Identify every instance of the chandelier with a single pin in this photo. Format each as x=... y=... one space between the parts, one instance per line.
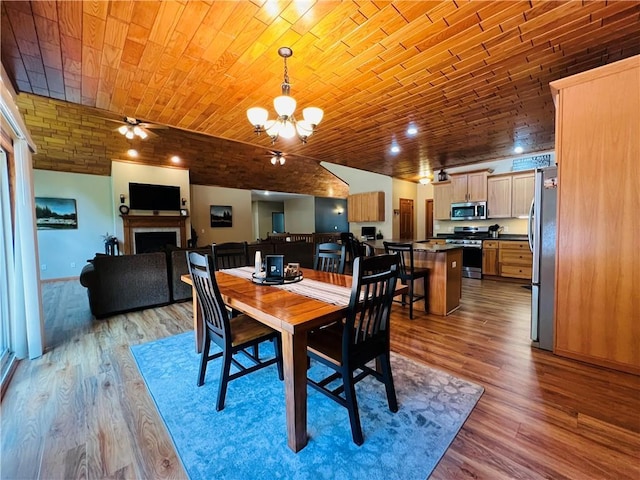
x=285 y=125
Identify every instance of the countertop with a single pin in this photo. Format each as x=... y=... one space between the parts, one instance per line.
x=378 y=244
x=505 y=236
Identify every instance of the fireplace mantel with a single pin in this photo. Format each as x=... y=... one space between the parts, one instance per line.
x=131 y=222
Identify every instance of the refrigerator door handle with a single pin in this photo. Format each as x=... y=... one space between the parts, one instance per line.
x=530 y=226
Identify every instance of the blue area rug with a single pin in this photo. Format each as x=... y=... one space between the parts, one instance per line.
x=247 y=440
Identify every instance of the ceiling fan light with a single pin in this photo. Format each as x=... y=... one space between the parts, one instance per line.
x=282 y=160
x=274 y=160
x=123 y=129
x=142 y=134
x=284 y=105
x=129 y=134
x=287 y=130
x=313 y=115
x=257 y=116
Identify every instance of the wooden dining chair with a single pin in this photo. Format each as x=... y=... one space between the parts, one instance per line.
x=329 y=257
x=230 y=255
x=234 y=335
x=346 y=347
x=409 y=273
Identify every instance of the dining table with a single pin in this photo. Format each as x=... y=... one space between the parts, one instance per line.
x=291 y=313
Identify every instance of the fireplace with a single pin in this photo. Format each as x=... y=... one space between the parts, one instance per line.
x=162 y=226
x=148 y=242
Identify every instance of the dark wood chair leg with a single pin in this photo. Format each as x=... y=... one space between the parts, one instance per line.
x=224 y=379
x=204 y=359
x=411 y=299
x=387 y=377
x=352 y=407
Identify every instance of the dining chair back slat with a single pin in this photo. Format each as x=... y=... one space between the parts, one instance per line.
x=330 y=257
x=230 y=255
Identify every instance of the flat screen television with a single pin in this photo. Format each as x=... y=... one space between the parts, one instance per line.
x=144 y=196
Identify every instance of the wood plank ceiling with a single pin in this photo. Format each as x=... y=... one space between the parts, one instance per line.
x=472 y=76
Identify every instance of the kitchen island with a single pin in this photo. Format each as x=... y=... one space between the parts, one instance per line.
x=444 y=262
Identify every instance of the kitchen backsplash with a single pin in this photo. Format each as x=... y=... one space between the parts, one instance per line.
x=512 y=226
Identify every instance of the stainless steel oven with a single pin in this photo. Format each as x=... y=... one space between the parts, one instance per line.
x=470 y=238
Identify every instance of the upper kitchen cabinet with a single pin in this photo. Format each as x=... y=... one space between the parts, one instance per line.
x=509 y=195
x=442 y=194
x=469 y=187
x=499 y=189
x=366 y=207
x=597 y=256
x=522 y=193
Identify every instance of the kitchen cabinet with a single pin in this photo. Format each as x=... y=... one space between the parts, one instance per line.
x=515 y=260
x=522 y=193
x=490 y=257
x=499 y=193
x=597 y=256
x=442 y=192
x=509 y=195
x=366 y=207
x=469 y=187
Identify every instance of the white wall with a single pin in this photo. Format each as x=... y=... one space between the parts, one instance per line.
x=60 y=249
x=360 y=181
x=203 y=197
x=300 y=215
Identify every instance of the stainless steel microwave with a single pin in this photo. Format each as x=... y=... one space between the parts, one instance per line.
x=469 y=211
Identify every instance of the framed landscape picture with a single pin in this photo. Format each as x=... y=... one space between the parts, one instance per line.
x=221 y=216
x=56 y=213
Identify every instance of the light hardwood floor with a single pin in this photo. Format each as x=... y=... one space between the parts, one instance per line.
x=82 y=410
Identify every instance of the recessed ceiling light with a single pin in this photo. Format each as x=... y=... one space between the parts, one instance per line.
x=175 y=159
x=132 y=153
x=412 y=130
x=518 y=149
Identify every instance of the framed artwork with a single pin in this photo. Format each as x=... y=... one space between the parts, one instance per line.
x=221 y=216
x=56 y=213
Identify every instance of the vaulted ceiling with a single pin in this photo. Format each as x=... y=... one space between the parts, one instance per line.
x=472 y=76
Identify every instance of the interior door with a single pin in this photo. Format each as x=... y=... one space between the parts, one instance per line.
x=428 y=219
x=277 y=222
x=406 y=218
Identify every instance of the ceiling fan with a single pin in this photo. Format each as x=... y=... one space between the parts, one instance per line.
x=277 y=157
x=132 y=127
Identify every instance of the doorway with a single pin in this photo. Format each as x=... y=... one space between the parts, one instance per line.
x=428 y=219
x=277 y=222
x=406 y=218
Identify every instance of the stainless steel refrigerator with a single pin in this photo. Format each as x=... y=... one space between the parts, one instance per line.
x=542 y=242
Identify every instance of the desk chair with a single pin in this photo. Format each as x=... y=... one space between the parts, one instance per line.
x=346 y=347
x=330 y=257
x=232 y=334
x=409 y=273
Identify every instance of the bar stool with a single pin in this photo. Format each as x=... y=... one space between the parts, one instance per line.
x=409 y=273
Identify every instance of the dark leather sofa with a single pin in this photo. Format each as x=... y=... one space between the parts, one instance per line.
x=294 y=252
x=122 y=283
